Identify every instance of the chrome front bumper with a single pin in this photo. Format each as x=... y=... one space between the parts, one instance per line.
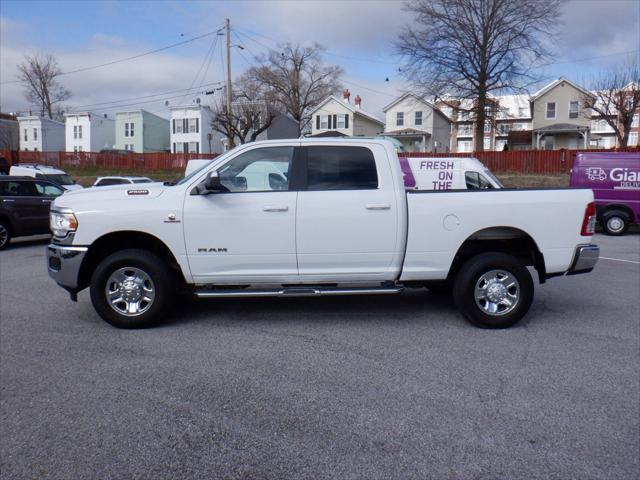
x=63 y=264
x=584 y=260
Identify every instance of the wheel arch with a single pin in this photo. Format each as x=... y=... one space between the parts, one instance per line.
x=7 y=220
x=616 y=206
x=510 y=240
x=123 y=240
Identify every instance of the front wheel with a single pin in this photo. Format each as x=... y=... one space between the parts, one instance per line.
x=132 y=289
x=493 y=290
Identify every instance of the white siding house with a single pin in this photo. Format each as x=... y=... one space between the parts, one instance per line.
x=41 y=134
x=191 y=130
x=141 y=132
x=335 y=117
x=419 y=125
x=88 y=132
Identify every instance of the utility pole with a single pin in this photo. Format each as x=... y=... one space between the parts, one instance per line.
x=229 y=134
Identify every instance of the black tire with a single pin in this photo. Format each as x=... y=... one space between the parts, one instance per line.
x=5 y=234
x=615 y=222
x=162 y=285
x=469 y=276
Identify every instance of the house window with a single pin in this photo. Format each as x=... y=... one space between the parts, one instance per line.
x=194 y=147
x=487 y=126
x=551 y=110
x=26 y=139
x=548 y=143
x=179 y=127
x=35 y=134
x=633 y=139
x=464 y=146
x=75 y=132
x=193 y=125
x=487 y=143
x=128 y=129
x=418 y=119
x=75 y=148
x=574 y=108
x=500 y=145
x=324 y=122
x=636 y=121
x=80 y=148
x=400 y=119
x=79 y=131
x=341 y=122
x=504 y=128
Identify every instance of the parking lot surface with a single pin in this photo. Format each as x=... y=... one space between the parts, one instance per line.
x=351 y=388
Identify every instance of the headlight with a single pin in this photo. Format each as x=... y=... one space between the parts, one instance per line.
x=62 y=223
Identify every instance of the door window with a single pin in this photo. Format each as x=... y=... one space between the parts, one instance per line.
x=476 y=181
x=258 y=170
x=341 y=168
x=48 y=189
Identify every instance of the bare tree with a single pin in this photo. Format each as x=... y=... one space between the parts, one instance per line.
x=297 y=78
x=38 y=75
x=616 y=98
x=467 y=49
x=252 y=112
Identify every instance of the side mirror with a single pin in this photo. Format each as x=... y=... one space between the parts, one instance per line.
x=210 y=185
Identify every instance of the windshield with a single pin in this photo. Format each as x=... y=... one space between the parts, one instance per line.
x=494 y=178
x=59 y=178
x=143 y=180
x=206 y=165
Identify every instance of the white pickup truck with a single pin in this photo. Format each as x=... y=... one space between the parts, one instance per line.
x=327 y=217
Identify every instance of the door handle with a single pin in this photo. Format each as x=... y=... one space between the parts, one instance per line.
x=7 y=200
x=46 y=201
x=275 y=208
x=378 y=206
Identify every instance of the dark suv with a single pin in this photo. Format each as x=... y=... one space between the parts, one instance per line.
x=24 y=206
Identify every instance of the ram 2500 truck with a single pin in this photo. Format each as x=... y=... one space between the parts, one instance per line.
x=314 y=217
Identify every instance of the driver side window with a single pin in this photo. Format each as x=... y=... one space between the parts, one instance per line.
x=259 y=170
x=476 y=181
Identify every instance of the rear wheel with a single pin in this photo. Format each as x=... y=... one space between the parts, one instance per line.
x=615 y=222
x=5 y=234
x=132 y=289
x=493 y=290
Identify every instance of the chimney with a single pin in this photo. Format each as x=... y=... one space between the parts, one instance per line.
x=358 y=101
x=346 y=94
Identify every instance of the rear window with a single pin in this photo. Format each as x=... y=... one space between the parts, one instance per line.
x=111 y=181
x=59 y=178
x=341 y=168
x=142 y=180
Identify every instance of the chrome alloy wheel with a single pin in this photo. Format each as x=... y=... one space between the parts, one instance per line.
x=497 y=292
x=130 y=291
x=4 y=235
x=615 y=224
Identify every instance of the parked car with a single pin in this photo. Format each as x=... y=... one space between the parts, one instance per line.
x=24 y=206
x=446 y=173
x=55 y=175
x=342 y=223
x=104 y=181
x=614 y=178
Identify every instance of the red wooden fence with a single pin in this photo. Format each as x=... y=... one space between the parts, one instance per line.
x=523 y=161
x=116 y=161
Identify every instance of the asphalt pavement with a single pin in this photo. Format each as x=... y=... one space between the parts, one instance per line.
x=397 y=387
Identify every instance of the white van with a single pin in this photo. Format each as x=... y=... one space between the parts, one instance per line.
x=447 y=173
x=195 y=164
x=60 y=177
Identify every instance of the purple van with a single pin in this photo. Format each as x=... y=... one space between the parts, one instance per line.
x=614 y=178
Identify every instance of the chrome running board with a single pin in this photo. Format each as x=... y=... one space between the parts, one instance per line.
x=298 y=292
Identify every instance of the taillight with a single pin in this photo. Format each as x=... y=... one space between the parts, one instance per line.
x=589 y=221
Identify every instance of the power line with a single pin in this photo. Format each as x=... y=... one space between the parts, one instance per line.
x=207 y=60
x=146 y=96
x=587 y=59
x=150 y=52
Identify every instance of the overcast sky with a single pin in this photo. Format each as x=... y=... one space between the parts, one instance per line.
x=358 y=36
